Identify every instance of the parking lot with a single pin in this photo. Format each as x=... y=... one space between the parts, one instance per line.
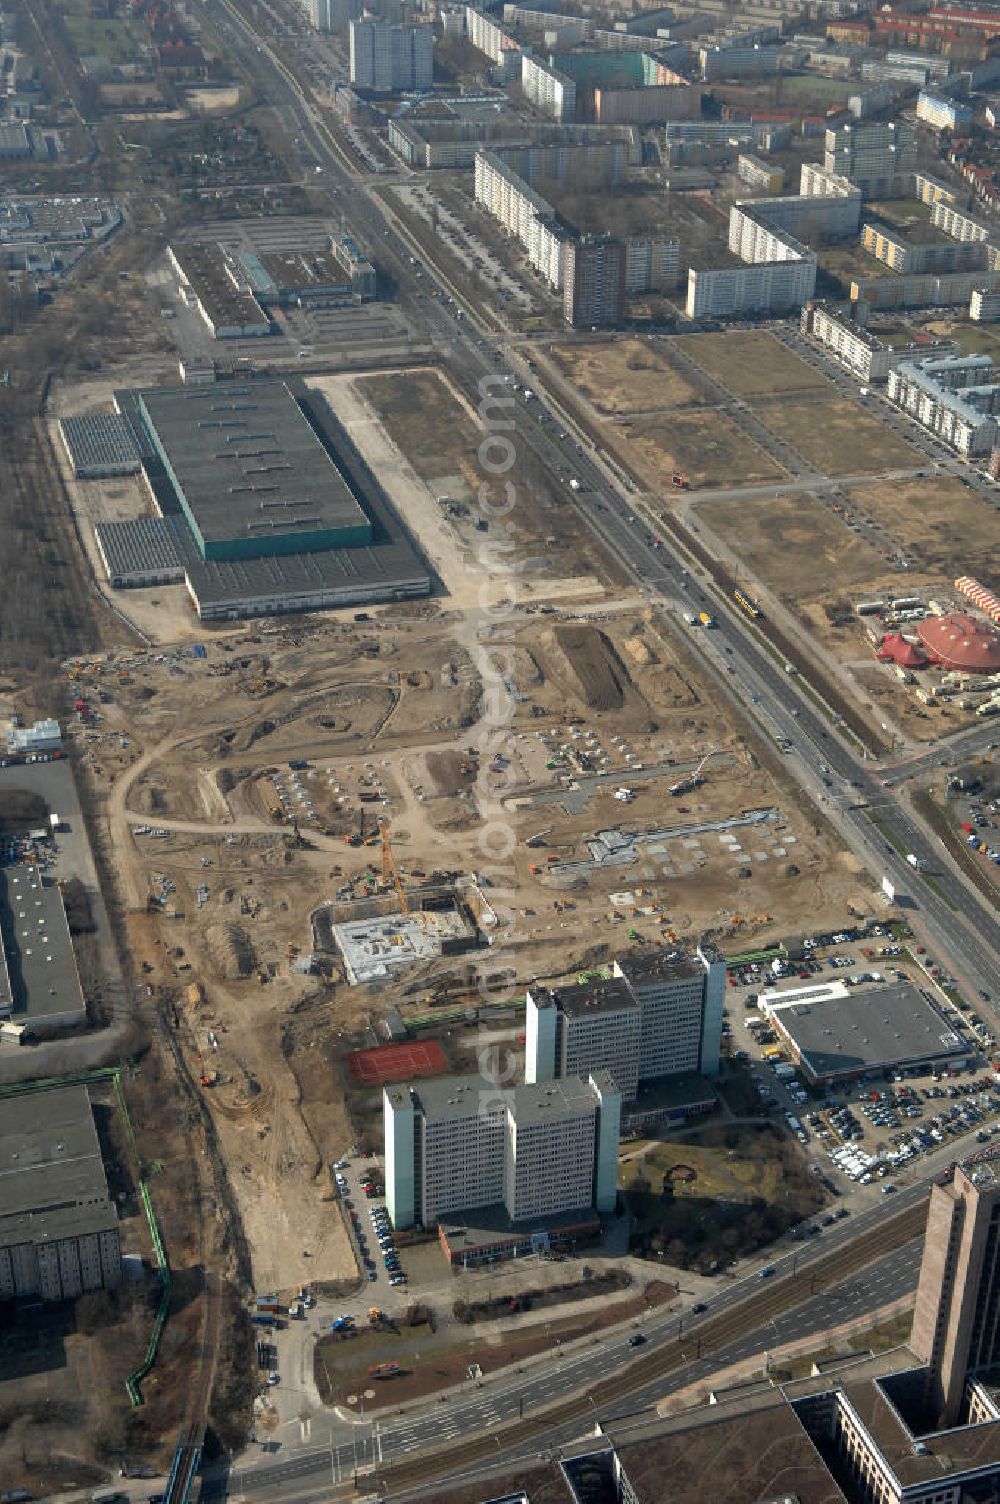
x=464 y=244
x=863 y=1132
x=361 y=1189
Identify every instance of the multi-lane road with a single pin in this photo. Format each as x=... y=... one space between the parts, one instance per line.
x=848 y=787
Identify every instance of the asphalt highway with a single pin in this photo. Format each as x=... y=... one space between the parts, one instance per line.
x=389 y=1438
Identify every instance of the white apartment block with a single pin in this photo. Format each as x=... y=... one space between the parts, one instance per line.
x=760 y=174
x=932 y=191
x=984 y=305
x=548 y=90
x=455 y=1144
x=958 y=223
x=331 y=15
x=869 y=358
x=387 y=58
x=524 y=214
x=871 y=155
x=956 y=398
x=657 y=1015
x=817 y=182
x=725 y=292
x=930 y=290
x=489 y=38
x=737 y=62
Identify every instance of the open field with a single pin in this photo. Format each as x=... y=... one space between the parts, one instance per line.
x=943 y=525
x=836 y=436
x=751 y=363
x=424 y=419
x=972 y=339
x=624 y=376
x=709 y=453
x=794 y=545
x=98 y=36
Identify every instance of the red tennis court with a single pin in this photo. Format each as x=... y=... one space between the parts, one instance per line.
x=398 y=1062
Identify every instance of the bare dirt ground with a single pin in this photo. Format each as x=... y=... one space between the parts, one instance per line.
x=835 y=435
x=709 y=453
x=822 y=569
x=624 y=376
x=944 y=526
x=752 y=363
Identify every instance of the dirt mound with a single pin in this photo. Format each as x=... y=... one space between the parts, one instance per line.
x=254 y=733
x=231 y=950
x=603 y=677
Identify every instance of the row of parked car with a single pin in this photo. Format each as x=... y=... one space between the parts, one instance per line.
x=390 y=1258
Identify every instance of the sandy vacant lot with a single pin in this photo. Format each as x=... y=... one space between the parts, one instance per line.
x=751 y=363
x=837 y=436
x=625 y=376
x=793 y=545
x=709 y=452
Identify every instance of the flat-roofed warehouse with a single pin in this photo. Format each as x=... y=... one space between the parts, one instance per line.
x=252 y=478
x=100 y=445
x=58 y=1224
x=39 y=982
x=865 y=1031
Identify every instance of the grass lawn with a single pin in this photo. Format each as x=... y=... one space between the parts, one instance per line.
x=430 y=1361
x=734 y=1190
x=102 y=37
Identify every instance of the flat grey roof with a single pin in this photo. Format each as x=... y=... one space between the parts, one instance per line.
x=868 y=1029
x=244 y=454
x=483 y=1225
x=444 y=1098
x=379 y=567
x=642 y=967
x=52 y=1182
x=98 y=441
x=40 y=962
x=138 y=546
x=599 y=996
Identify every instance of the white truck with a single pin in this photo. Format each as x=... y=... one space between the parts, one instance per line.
x=916 y=862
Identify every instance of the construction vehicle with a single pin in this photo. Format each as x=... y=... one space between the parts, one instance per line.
x=679 y=481
x=538 y=839
x=694 y=779
x=356 y=838
x=390 y=872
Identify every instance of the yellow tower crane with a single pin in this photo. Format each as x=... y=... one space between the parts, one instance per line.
x=390 y=872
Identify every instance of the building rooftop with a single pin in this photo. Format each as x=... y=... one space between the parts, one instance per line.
x=643 y=967
x=52 y=1182
x=138 y=545
x=867 y=1030
x=483 y=1225
x=586 y=999
x=444 y=1098
x=933 y=1455
x=247 y=464
x=206 y=269
x=41 y=966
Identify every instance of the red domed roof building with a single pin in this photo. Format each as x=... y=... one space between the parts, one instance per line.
x=961 y=642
